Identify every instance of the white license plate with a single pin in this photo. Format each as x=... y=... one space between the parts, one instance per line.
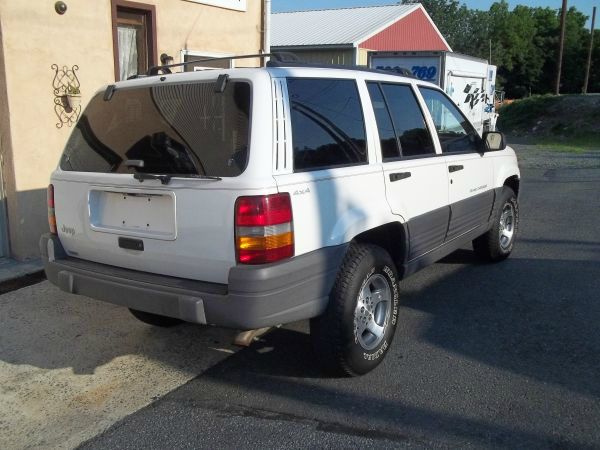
x=145 y=214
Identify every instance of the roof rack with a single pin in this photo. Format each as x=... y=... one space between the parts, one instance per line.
x=400 y=71
x=277 y=56
x=279 y=59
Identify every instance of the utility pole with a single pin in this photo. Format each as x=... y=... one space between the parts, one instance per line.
x=563 y=20
x=589 y=60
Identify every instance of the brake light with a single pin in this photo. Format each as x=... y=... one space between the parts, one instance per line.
x=264 y=230
x=51 y=213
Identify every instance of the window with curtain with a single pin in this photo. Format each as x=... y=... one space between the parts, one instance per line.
x=134 y=42
x=128 y=53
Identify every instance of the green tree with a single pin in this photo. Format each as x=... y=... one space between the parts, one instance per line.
x=524 y=61
x=524 y=44
x=449 y=17
x=546 y=41
x=575 y=53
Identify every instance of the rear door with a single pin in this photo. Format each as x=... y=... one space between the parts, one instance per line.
x=469 y=170
x=415 y=175
x=149 y=178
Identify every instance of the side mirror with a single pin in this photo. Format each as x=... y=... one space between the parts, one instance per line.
x=494 y=140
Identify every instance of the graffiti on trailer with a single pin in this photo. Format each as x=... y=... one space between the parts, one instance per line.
x=473 y=98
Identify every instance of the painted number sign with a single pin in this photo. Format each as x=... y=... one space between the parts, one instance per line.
x=427 y=73
x=426 y=68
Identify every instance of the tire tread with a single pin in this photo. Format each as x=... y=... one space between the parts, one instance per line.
x=486 y=246
x=326 y=330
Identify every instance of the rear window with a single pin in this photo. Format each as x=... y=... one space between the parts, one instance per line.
x=186 y=129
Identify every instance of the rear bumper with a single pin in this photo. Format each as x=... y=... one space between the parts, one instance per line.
x=255 y=296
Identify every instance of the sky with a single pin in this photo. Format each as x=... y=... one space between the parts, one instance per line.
x=585 y=6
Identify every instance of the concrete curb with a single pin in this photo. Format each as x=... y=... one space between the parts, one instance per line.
x=21 y=281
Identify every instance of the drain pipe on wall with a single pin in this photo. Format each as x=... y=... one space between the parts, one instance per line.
x=266 y=44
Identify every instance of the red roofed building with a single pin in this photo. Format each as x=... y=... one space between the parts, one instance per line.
x=346 y=35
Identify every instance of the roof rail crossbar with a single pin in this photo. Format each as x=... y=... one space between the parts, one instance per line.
x=278 y=56
x=400 y=71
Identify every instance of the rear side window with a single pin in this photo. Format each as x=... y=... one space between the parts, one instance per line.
x=409 y=123
x=185 y=129
x=328 y=128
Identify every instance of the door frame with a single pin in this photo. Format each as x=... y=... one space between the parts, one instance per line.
x=150 y=12
x=418 y=169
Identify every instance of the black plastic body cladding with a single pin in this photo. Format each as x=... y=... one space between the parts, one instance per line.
x=255 y=296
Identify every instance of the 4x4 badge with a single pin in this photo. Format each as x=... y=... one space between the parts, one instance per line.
x=302 y=191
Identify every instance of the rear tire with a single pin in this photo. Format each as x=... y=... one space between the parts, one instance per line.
x=155 y=319
x=498 y=242
x=356 y=330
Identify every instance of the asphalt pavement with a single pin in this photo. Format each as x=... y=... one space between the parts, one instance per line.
x=485 y=355
x=70 y=366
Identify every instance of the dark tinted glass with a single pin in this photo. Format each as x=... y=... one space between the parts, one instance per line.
x=455 y=132
x=408 y=120
x=387 y=137
x=185 y=129
x=327 y=123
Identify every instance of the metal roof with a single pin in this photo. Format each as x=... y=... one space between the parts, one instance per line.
x=344 y=26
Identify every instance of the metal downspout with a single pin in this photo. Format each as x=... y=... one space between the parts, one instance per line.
x=266 y=44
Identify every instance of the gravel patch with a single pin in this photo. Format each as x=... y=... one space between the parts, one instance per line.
x=537 y=157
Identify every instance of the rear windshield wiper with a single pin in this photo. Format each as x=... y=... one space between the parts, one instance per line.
x=165 y=179
x=200 y=177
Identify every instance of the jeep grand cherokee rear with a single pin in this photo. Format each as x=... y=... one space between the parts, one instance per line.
x=164 y=202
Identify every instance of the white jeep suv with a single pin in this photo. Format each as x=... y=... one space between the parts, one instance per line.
x=248 y=198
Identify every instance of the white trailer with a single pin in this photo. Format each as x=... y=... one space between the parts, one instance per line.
x=469 y=81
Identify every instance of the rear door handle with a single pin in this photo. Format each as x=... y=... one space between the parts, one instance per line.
x=455 y=168
x=399 y=176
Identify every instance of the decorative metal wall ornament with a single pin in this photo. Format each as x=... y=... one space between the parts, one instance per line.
x=67 y=95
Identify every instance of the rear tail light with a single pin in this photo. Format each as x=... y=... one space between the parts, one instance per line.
x=264 y=228
x=51 y=214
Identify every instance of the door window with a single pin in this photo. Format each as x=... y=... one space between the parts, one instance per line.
x=328 y=128
x=454 y=130
x=400 y=122
x=413 y=136
x=387 y=135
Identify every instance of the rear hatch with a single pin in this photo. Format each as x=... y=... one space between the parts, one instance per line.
x=149 y=178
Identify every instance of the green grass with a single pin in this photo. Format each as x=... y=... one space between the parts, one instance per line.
x=577 y=143
x=563 y=148
x=568 y=123
x=522 y=113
